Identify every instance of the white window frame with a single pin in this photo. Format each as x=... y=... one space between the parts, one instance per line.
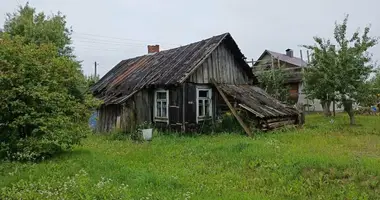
x=156 y=118
x=199 y=88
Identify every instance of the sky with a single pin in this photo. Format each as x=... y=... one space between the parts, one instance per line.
x=107 y=32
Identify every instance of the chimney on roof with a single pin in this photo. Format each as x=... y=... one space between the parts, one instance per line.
x=153 y=48
x=289 y=52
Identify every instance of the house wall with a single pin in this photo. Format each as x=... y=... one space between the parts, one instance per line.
x=315 y=104
x=222 y=66
x=135 y=110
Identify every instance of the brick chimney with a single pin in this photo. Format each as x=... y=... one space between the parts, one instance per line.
x=289 y=52
x=153 y=48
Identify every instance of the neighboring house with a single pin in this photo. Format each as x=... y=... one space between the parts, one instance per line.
x=270 y=59
x=181 y=88
x=294 y=65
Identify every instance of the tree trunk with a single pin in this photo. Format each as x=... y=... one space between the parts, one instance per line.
x=352 y=118
x=326 y=107
x=350 y=111
x=334 y=108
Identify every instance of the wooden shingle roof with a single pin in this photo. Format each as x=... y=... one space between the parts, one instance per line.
x=169 y=67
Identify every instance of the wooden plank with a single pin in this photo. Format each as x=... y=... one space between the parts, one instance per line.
x=211 y=68
x=274 y=125
x=252 y=111
x=216 y=66
x=229 y=66
x=205 y=72
x=118 y=122
x=234 y=72
x=184 y=107
x=242 y=124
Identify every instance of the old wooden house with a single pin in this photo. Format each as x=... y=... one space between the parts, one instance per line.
x=183 y=87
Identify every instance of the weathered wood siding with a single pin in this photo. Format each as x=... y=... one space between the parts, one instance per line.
x=107 y=117
x=137 y=109
x=222 y=66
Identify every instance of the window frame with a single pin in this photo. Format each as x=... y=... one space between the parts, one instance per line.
x=209 y=97
x=157 y=118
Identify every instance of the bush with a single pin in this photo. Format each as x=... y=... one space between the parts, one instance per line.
x=228 y=123
x=44 y=106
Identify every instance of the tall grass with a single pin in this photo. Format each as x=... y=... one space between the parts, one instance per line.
x=323 y=160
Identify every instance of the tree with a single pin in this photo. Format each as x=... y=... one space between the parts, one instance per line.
x=39 y=29
x=274 y=83
x=340 y=70
x=44 y=103
x=318 y=85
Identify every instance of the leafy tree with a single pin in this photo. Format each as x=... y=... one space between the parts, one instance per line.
x=44 y=103
x=40 y=29
x=274 y=82
x=340 y=71
x=317 y=84
x=92 y=79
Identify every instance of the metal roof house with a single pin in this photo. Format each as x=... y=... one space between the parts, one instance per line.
x=184 y=87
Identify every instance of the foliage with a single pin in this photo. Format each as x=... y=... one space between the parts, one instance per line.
x=40 y=29
x=324 y=160
x=92 y=79
x=369 y=94
x=228 y=123
x=339 y=71
x=44 y=103
x=274 y=83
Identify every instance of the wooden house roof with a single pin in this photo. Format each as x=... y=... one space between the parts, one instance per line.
x=257 y=101
x=169 y=67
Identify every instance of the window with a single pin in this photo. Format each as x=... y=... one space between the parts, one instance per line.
x=161 y=107
x=204 y=104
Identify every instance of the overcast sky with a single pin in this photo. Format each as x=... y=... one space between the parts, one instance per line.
x=109 y=31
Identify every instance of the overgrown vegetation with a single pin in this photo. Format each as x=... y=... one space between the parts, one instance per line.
x=44 y=99
x=273 y=81
x=324 y=160
x=339 y=70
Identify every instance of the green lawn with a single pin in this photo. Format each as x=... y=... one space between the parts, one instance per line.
x=321 y=161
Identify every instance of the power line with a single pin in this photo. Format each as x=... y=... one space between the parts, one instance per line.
x=125 y=39
x=87 y=41
x=103 y=40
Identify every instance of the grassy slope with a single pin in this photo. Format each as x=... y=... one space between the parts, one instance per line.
x=320 y=161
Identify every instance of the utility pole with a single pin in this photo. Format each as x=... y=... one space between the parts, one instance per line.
x=96 y=65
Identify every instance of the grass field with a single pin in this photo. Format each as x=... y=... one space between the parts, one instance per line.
x=323 y=160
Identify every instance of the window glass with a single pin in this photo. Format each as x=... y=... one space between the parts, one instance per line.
x=161 y=95
x=206 y=108
x=200 y=108
x=203 y=93
x=164 y=106
x=204 y=104
x=161 y=104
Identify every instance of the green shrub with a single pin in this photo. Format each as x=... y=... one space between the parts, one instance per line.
x=228 y=124
x=44 y=107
